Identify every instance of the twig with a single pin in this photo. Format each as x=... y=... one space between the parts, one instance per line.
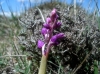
x=82 y=62
x=41 y=14
x=3 y=12
x=52 y=63
x=97 y=6
x=13 y=56
x=52 y=70
x=16 y=48
x=22 y=23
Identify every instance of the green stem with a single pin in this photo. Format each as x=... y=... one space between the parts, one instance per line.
x=43 y=64
x=95 y=67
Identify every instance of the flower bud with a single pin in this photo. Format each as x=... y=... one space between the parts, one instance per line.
x=46 y=25
x=44 y=31
x=48 y=20
x=60 y=35
x=55 y=38
x=40 y=44
x=53 y=13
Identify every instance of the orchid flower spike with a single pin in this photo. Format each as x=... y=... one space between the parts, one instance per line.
x=47 y=31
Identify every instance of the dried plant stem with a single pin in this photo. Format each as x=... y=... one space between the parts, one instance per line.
x=41 y=14
x=81 y=63
x=1 y=8
x=17 y=52
x=12 y=56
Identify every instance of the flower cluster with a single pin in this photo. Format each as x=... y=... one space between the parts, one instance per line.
x=49 y=26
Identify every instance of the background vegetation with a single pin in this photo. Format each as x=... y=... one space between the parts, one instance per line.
x=77 y=54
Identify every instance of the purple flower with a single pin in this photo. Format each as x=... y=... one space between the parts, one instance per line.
x=53 y=12
x=47 y=31
x=44 y=31
x=54 y=15
x=40 y=44
x=46 y=25
x=60 y=35
x=55 y=38
x=48 y=20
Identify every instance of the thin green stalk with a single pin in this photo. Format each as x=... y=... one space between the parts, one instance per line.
x=95 y=67
x=43 y=65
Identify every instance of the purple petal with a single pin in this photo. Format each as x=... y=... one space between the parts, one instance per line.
x=48 y=20
x=54 y=41
x=40 y=44
x=44 y=31
x=55 y=38
x=58 y=24
x=46 y=25
x=53 y=12
x=60 y=35
x=53 y=15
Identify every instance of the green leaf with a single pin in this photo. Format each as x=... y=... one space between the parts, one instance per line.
x=95 y=67
x=27 y=69
x=22 y=47
x=19 y=70
x=2 y=63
